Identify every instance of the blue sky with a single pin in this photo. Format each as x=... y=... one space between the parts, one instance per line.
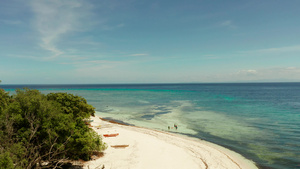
x=137 y=41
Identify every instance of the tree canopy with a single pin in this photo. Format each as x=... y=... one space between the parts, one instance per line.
x=39 y=130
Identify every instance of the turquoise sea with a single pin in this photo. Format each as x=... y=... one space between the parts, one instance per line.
x=261 y=121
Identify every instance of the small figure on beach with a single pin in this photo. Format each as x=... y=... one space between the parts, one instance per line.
x=168 y=127
x=175 y=125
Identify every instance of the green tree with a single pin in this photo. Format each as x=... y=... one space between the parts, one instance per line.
x=4 y=100
x=84 y=139
x=39 y=128
x=5 y=161
x=71 y=104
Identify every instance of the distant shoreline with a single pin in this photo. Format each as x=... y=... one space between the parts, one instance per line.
x=141 y=84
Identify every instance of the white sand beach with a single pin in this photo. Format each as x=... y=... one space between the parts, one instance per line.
x=141 y=148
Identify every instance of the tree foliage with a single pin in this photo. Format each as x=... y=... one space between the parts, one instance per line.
x=75 y=105
x=38 y=129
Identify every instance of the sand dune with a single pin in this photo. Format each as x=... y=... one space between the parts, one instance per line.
x=140 y=148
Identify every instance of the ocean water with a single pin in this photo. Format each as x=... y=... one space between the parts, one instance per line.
x=261 y=121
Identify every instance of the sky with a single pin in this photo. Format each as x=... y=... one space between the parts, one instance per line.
x=157 y=41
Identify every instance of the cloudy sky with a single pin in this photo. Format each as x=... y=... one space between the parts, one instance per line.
x=157 y=41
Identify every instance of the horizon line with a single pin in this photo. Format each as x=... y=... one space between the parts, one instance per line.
x=150 y=83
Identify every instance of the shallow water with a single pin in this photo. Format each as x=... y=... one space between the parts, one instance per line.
x=261 y=121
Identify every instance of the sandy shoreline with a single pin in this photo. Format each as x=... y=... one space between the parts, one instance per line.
x=141 y=148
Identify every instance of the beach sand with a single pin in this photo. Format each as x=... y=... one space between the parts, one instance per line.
x=141 y=148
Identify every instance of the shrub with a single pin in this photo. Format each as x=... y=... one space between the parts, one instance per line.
x=41 y=128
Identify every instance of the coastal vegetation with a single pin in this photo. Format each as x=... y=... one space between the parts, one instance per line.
x=42 y=131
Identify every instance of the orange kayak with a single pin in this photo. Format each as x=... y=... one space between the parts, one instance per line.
x=111 y=135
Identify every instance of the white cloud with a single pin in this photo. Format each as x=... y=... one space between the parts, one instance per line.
x=291 y=68
x=87 y=65
x=228 y=24
x=211 y=57
x=54 y=18
x=284 y=49
x=139 y=54
x=248 y=72
x=279 y=74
